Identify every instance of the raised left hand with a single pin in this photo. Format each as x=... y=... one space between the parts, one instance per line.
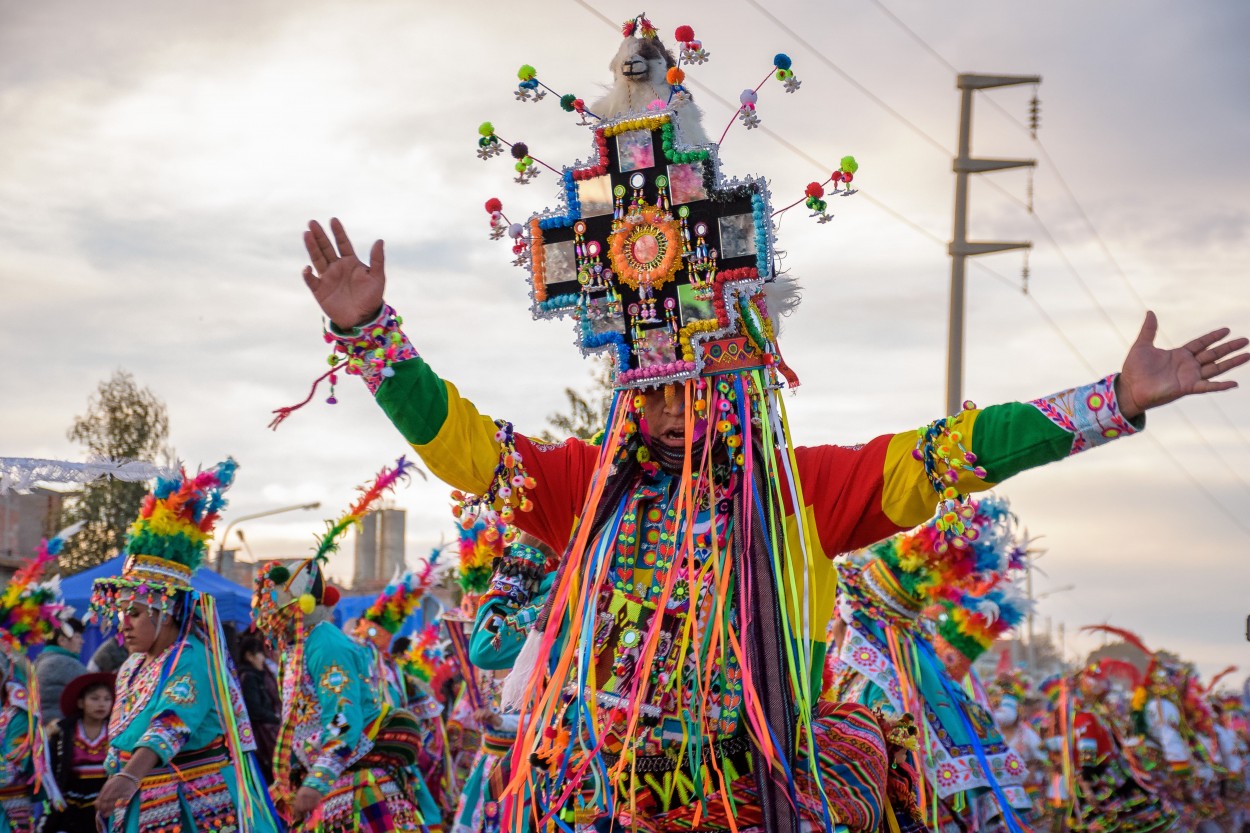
x=1153 y=376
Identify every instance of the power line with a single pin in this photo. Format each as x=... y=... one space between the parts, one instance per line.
x=1176 y=463
x=1080 y=209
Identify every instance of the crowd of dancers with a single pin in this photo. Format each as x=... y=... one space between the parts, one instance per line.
x=404 y=719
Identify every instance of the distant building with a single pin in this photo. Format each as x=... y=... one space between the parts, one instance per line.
x=380 y=553
x=25 y=520
x=240 y=572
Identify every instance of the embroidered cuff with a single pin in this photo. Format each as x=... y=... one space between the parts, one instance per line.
x=165 y=736
x=1090 y=413
x=373 y=347
x=327 y=768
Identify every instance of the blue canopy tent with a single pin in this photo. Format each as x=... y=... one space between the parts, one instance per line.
x=234 y=601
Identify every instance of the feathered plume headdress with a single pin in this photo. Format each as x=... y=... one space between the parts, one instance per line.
x=169 y=540
x=398 y=601
x=481 y=544
x=426 y=660
x=31 y=609
x=914 y=570
x=277 y=586
x=968 y=626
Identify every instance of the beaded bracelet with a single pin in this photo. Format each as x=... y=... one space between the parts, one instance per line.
x=940 y=449
x=132 y=778
x=370 y=350
x=367 y=351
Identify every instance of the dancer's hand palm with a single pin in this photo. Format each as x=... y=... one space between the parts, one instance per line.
x=348 y=291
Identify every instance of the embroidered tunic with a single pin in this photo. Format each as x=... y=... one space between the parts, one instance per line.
x=336 y=714
x=17 y=725
x=850 y=497
x=168 y=704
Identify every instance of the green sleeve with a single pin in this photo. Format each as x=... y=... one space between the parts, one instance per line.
x=415 y=399
x=1016 y=436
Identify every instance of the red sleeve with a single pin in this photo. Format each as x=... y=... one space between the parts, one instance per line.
x=562 y=472
x=842 y=487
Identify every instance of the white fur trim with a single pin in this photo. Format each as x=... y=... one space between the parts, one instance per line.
x=517 y=684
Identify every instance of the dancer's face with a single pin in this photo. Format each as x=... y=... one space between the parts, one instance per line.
x=664 y=409
x=138 y=627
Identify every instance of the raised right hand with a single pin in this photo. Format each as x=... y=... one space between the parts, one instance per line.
x=349 y=292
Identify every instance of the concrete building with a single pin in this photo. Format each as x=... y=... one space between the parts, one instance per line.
x=380 y=551
x=25 y=520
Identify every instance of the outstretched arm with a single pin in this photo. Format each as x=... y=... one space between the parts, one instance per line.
x=456 y=442
x=864 y=494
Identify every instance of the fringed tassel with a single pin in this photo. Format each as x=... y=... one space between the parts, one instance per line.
x=283 y=413
x=253 y=793
x=517 y=684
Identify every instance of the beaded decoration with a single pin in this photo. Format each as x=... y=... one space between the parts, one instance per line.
x=940 y=448
x=508 y=487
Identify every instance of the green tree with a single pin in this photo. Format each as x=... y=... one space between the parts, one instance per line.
x=586 y=414
x=122 y=422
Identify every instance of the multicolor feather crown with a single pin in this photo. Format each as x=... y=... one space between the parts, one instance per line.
x=396 y=603
x=914 y=570
x=480 y=545
x=176 y=519
x=32 y=610
x=967 y=627
x=426 y=660
x=169 y=540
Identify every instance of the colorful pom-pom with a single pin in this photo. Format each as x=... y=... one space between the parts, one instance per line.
x=493 y=204
x=684 y=34
x=568 y=102
x=526 y=72
x=279 y=574
x=781 y=60
x=520 y=150
x=516 y=230
x=749 y=97
x=815 y=189
x=675 y=75
x=849 y=165
x=486 y=129
x=307 y=603
x=331 y=596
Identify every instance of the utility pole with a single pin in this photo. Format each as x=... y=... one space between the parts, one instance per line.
x=221 y=547
x=960 y=248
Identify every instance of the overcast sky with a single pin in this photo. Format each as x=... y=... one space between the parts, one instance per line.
x=160 y=160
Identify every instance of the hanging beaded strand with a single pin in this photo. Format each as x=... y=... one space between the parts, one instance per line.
x=940 y=448
x=509 y=485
